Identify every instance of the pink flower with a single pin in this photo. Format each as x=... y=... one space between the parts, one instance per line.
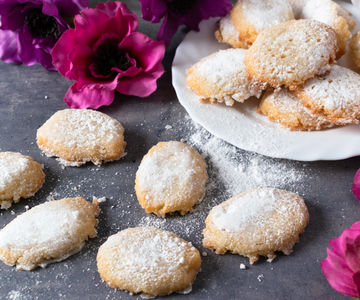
x=181 y=12
x=105 y=53
x=342 y=266
x=356 y=185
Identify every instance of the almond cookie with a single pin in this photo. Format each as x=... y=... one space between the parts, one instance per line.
x=257 y=222
x=354 y=50
x=287 y=110
x=327 y=11
x=334 y=97
x=171 y=177
x=77 y=136
x=291 y=52
x=227 y=33
x=20 y=177
x=48 y=233
x=148 y=260
x=222 y=77
x=250 y=17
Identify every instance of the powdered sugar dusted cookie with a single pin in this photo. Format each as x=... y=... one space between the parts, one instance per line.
x=288 y=111
x=47 y=233
x=334 y=97
x=291 y=52
x=250 y=17
x=149 y=261
x=327 y=11
x=222 y=77
x=77 y=136
x=354 y=50
x=171 y=177
x=227 y=33
x=256 y=223
x=20 y=177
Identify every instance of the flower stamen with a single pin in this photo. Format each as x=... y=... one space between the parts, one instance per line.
x=181 y=7
x=42 y=26
x=108 y=56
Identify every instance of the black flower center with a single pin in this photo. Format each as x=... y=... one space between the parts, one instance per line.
x=108 y=56
x=42 y=26
x=181 y=7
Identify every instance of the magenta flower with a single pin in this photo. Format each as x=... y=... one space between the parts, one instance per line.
x=342 y=266
x=30 y=28
x=104 y=53
x=181 y=12
x=356 y=185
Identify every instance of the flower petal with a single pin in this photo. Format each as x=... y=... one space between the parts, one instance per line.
x=152 y=10
x=338 y=274
x=147 y=53
x=8 y=47
x=112 y=9
x=142 y=85
x=88 y=98
x=356 y=185
x=61 y=51
x=168 y=28
x=89 y=26
x=33 y=54
x=342 y=266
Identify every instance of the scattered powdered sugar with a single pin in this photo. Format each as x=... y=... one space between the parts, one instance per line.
x=240 y=171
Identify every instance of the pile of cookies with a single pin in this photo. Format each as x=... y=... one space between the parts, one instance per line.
x=285 y=52
x=171 y=178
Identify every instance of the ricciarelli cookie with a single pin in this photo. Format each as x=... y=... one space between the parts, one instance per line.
x=48 y=233
x=222 y=77
x=291 y=52
x=287 y=110
x=327 y=11
x=77 y=136
x=20 y=177
x=148 y=260
x=250 y=17
x=227 y=33
x=256 y=223
x=334 y=97
x=171 y=177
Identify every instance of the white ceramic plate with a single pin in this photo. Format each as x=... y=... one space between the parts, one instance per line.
x=241 y=126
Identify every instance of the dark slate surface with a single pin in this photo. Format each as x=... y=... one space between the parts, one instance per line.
x=30 y=95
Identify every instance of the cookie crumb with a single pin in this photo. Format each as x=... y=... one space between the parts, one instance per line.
x=204 y=253
x=242 y=267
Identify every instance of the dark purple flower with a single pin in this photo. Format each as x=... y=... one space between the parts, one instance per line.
x=181 y=12
x=104 y=53
x=30 y=28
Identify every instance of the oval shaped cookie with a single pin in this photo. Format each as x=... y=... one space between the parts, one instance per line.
x=250 y=17
x=171 y=177
x=77 y=136
x=334 y=97
x=20 y=177
x=288 y=111
x=222 y=77
x=291 y=52
x=48 y=233
x=257 y=222
x=148 y=260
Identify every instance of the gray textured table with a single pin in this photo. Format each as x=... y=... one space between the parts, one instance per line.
x=30 y=95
